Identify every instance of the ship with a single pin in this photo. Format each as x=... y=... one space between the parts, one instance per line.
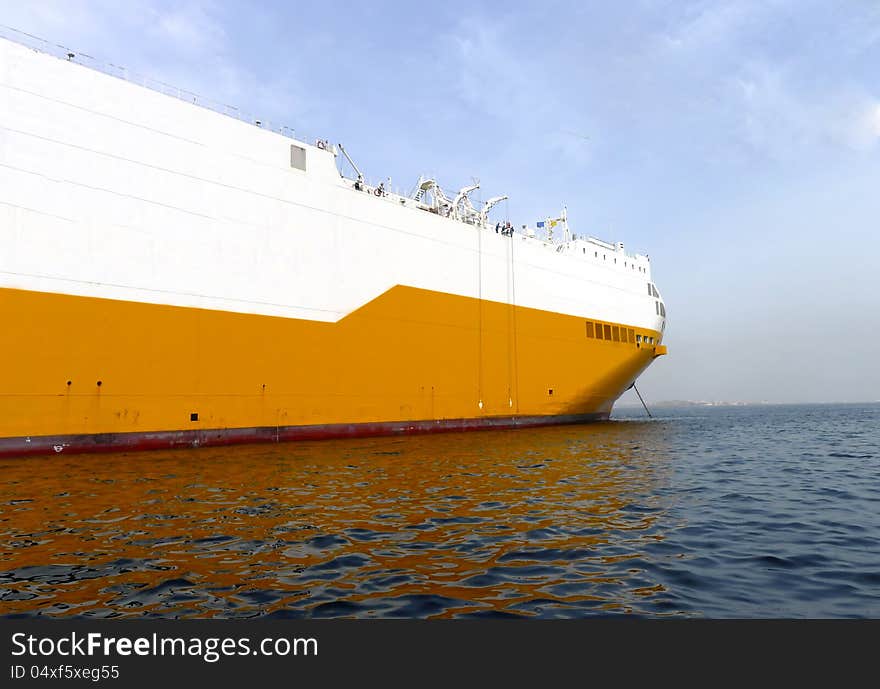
x=177 y=274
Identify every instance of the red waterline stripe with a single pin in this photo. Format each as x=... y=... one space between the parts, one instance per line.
x=164 y=440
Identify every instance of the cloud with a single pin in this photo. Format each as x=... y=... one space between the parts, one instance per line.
x=872 y=119
x=765 y=80
x=777 y=118
x=701 y=27
x=191 y=27
x=519 y=87
x=732 y=81
x=189 y=44
x=138 y=33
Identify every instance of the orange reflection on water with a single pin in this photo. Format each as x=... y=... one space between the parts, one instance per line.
x=546 y=522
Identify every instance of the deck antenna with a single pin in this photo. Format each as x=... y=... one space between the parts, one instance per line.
x=633 y=386
x=360 y=176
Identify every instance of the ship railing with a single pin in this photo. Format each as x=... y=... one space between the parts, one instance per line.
x=63 y=52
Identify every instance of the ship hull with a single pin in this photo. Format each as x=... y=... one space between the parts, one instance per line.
x=87 y=374
x=172 y=276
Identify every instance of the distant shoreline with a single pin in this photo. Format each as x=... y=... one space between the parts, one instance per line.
x=666 y=404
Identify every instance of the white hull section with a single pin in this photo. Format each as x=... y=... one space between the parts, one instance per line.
x=108 y=189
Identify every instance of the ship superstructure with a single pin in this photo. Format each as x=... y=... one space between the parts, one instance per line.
x=170 y=275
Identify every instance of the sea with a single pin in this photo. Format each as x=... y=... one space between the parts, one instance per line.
x=766 y=511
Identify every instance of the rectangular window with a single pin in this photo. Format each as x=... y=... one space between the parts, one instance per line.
x=615 y=333
x=662 y=310
x=297 y=157
x=657 y=307
x=632 y=336
x=649 y=290
x=638 y=339
x=607 y=329
x=590 y=329
x=656 y=293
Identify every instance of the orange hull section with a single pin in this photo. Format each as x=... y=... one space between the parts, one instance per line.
x=84 y=366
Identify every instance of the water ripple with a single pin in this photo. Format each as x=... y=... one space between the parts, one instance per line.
x=722 y=512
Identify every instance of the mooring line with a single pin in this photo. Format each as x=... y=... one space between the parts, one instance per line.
x=641 y=400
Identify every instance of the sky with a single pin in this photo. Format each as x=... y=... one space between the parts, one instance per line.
x=737 y=143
